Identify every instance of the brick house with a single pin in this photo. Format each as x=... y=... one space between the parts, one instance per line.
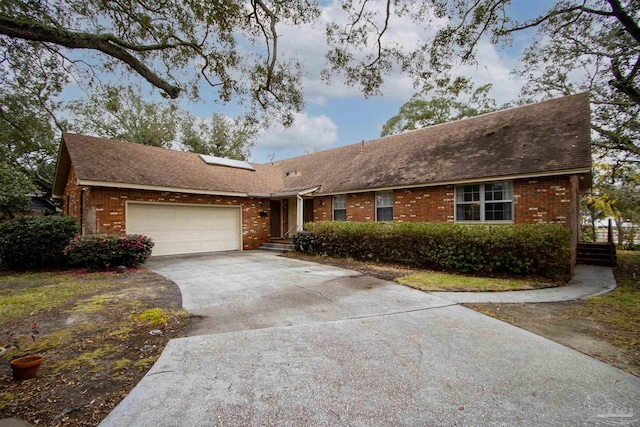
x=522 y=165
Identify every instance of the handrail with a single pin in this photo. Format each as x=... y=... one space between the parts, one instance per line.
x=287 y=234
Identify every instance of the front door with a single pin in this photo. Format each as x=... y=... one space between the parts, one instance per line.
x=308 y=210
x=276 y=218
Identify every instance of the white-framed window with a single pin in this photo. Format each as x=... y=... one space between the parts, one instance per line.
x=487 y=202
x=384 y=206
x=340 y=208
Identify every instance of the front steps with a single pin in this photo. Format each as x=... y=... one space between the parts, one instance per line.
x=278 y=246
x=596 y=254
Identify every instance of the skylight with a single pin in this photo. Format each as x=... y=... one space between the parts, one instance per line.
x=221 y=161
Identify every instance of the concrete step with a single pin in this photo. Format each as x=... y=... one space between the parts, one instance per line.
x=277 y=247
x=596 y=261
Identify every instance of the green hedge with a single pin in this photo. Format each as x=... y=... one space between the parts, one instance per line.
x=101 y=251
x=542 y=249
x=31 y=242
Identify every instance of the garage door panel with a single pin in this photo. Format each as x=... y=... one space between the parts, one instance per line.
x=185 y=229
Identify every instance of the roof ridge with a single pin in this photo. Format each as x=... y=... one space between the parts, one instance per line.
x=452 y=123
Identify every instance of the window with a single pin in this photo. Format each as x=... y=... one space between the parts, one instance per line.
x=384 y=206
x=340 y=208
x=484 y=202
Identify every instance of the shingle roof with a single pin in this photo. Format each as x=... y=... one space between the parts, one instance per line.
x=550 y=136
x=109 y=161
x=543 y=138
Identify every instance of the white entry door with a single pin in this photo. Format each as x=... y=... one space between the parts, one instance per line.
x=185 y=229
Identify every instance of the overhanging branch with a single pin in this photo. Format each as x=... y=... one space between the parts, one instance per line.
x=107 y=44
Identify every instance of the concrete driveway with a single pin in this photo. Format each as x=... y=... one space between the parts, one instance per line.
x=295 y=343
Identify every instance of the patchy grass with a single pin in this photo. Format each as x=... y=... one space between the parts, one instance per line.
x=605 y=327
x=45 y=291
x=90 y=337
x=432 y=281
x=154 y=317
x=620 y=309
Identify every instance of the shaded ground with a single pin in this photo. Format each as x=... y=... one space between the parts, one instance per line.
x=604 y=327
x=94 y=335
x=431 y=281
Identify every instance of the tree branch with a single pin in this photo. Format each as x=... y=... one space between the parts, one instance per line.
x=554 y=13
x=625 y=19
x=106 y=44
x=622 y=83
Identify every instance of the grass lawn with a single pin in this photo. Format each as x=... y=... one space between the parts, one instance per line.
x=94 y=335
x=433 y=281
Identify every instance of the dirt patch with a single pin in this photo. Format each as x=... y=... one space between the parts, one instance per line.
x=96 y=340
x=566 y=324
x=388 y=272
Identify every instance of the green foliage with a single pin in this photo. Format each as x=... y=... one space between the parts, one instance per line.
x=30 y=81
x=121 y=113
x=451 y=101
x=15 y=188
x=35 y=242
x=101 y=251
x=542 y=249
x=220 y=136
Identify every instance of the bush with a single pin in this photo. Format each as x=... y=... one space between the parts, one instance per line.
x=100 y=252
x=542 y=249
x=35 y=241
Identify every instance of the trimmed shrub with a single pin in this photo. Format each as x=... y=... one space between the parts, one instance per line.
x=543 y=249
x=101 y=251
x=31 y=242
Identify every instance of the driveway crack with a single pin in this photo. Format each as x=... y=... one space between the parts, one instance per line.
x=345 y=313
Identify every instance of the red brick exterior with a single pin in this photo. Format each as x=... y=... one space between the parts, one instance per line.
x=540 y=200
x=104 y=209
x=323 y=208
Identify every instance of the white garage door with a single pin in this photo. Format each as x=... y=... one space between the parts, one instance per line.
x=179 y=229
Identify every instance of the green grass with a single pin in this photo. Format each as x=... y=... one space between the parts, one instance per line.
x=54 y=290
x=432 y=281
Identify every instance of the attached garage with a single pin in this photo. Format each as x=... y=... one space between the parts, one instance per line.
x=185 y=229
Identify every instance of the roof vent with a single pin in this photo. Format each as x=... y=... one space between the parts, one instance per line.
x=230 y=163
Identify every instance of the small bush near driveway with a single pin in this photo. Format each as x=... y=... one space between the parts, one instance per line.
x=537 y=249
x=100 y=252
x=32 y=242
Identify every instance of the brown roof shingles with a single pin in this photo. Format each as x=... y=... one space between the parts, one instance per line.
x=107 y=160
x=534 y=139
x=543 y=138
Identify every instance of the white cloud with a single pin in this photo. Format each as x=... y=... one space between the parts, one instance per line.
x=307 y=134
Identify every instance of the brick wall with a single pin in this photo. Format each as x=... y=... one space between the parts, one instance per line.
x=541 y=200
x=425 y=204
x=544 y=200
x=72 y=196
x=322 y=208
x=105 y=209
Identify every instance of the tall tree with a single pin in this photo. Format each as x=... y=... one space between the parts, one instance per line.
x=598 y=37
x=15 y=188
x=121 y=113
x=451 y=100
x=30 y=82
x=219 y=136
